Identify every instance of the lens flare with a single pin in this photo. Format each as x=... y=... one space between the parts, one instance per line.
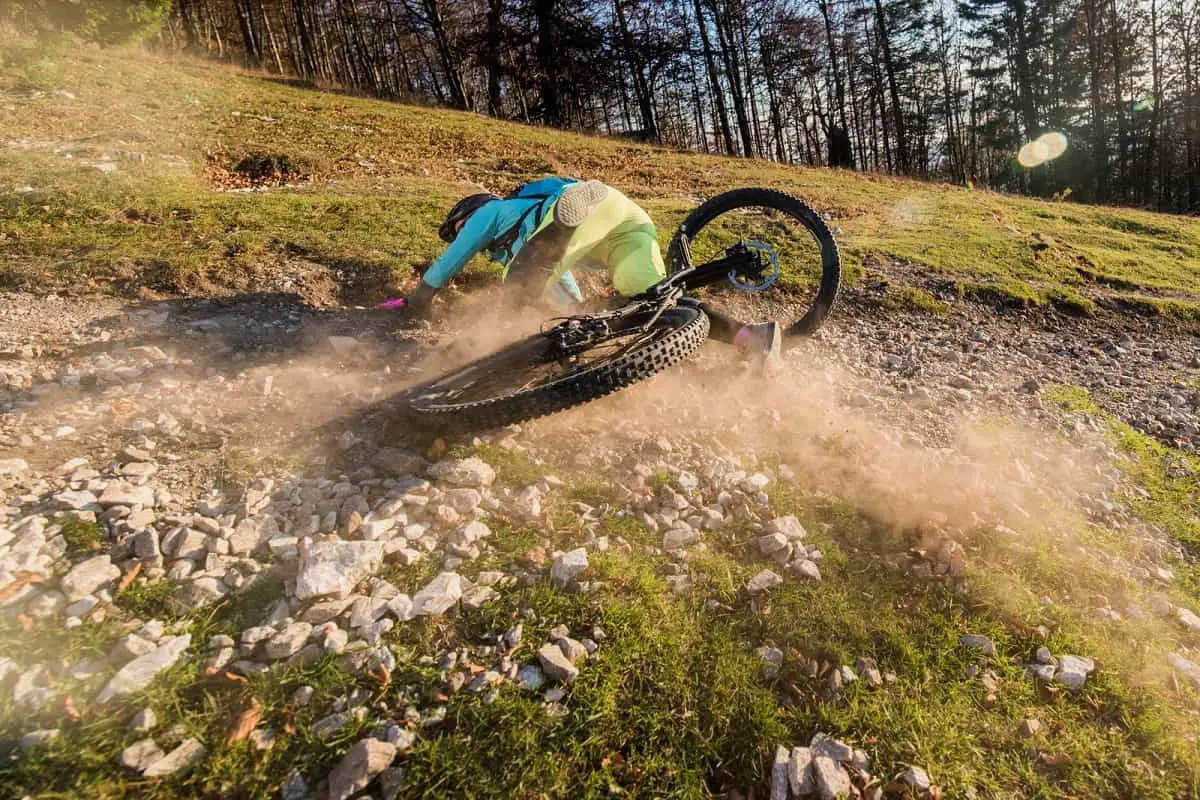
x=1046 y=147
x=1055 y=144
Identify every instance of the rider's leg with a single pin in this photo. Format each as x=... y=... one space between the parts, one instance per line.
x=636 y=264
x=583 y=215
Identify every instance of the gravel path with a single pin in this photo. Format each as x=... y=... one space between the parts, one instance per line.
x=215 y=442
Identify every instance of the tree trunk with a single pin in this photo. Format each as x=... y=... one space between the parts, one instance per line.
x=492 y=55
x=729 y=56
x=433 y=16
x=547 y=57
x=251 y=41
x=641 y=88
x=890 y=68
x=718 y=93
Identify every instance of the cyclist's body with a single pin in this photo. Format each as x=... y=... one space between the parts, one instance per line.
x=551 y=226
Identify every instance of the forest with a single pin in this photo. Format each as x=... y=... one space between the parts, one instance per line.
x=1097 y=101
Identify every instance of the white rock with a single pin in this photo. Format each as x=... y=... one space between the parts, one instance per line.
x=464 y=501
x=129 y=647
x=779 y=774
x=374 y=529
x=334 y=568
x=88 y=576
x=917 y=778
x=12 y=466
x=137 y=674
x=803 y=568
x=1187 y=618
x=36 y=739
x=832 y=781
x=144 y=720
x=1073 y=671
x=567 y=566
x=755 y=483
x=528 y=503
x=178 y=761
x=140 y=755
x=288 y=641
x=359 y=766
x=1189 y=669
x=81 y=606
x=478 y=596
x=284 y=548
x=439 y=595
x=402 y=606
x=981 y=644
x=557 y=665
x=531 y=677
x=125 y=494
x=323 y=611
x=75 y=500
x=800 y=776
x=250 y=534
x=789 y=526
x=464 y=472
x=824 y=745
x=772 y=543
x=679 y=537
x=763 y=581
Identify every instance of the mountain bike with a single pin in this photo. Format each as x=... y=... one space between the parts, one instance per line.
x=744 y=241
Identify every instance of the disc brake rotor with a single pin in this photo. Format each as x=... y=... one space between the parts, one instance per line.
x=768 y=279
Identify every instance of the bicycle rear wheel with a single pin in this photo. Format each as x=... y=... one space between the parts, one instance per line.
x=531 y=378
x=806 y=288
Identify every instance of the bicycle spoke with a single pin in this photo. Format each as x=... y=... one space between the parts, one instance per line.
x=527 y=376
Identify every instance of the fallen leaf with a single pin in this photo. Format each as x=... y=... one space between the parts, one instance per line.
x=216 y=673
x=247 y=721
x=70 y=710
x=128 y=578
x=20 y=581
x=380 y=673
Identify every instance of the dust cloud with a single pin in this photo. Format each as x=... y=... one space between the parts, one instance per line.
x=1008 y=497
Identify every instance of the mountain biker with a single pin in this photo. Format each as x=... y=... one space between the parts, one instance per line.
x=548 y=227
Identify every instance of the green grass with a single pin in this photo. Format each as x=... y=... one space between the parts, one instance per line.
x=913 y=298
x=82 y=537
x=150 y=600
x=1157 y=306
x=1166 y=476
x=376 y=178
x=676 y=704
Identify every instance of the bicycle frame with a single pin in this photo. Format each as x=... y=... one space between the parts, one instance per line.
x=579 y=332
x=737 y=259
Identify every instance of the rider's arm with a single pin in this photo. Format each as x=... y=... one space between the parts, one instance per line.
x=564 y=291
x=479 y=229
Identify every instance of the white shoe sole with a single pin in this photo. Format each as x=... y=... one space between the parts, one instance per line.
x=773 y=357
x=577 y=201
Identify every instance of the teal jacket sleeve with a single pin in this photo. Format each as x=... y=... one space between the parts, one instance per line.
x=479 y=229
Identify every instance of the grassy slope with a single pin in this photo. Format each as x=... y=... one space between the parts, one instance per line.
x=675 y=706
x=382 y=174
x=639 y=720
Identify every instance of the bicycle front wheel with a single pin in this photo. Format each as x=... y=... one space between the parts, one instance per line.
x=792 y=234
